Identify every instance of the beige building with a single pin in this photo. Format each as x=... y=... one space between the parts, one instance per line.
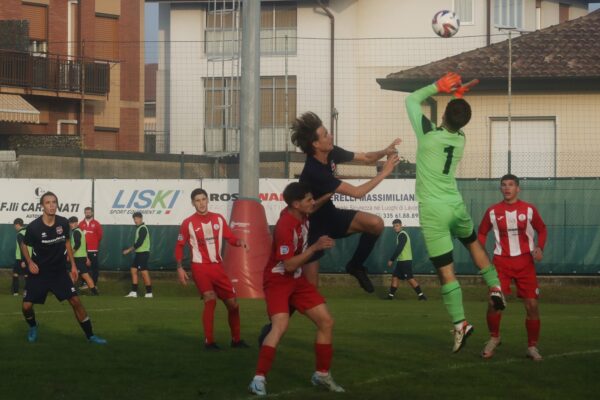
x=553 y=107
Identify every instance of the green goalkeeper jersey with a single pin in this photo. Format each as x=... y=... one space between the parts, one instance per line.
x=438 y=153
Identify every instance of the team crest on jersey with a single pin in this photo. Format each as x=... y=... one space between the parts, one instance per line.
x=59 y=230
x=216 y=227
x=333 y=166
x=283 y=250
x=522 y=217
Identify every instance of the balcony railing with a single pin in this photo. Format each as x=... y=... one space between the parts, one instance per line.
x=53 y=72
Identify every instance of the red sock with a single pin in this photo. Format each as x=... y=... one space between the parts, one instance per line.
x=493 y=322
x=266 y=355
x=234 y=323
x=208 y=317
x=324 y=354
x=533 y=331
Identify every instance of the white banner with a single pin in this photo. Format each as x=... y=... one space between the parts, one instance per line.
x=390 y=200
x=20 y=198
x=162 y=202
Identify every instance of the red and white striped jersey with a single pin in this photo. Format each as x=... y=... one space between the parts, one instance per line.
x=204 y=234
x=289 y=240
x=514 y=228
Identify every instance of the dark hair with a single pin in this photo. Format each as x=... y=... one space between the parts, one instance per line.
x=198 y=191
x=295 y=191
x=137 y=214
x=396 y=221
x=458 y=114
x=88 y=208
x=510 y=177
x=48 y=194
x=18 y=221
x=304 y=131
x=73 y=220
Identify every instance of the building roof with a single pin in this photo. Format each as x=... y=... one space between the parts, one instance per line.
x=561 y=57
x=150 y=82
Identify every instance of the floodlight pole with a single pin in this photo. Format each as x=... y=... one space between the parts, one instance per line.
x=250 y=100
x=509 y=100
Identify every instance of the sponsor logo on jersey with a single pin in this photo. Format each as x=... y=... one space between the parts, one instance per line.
x=283 y=250
x=180 y=237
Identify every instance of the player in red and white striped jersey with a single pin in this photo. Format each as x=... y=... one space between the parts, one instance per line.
x=285 y=286
x=515 y=224
x=205 y=232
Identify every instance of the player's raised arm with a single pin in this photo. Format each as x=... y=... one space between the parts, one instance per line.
x=421 y=124
x=293 y=263
x=361 y=190
x=373 y=156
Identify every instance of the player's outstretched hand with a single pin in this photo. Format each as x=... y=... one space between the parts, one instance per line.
x=74 y=274
x=88 y=263
x=33 y=268
x=182 y=276
x=391 y=149
x=460 y=92
x=390 y=164
x=448 y=83
x=324 y=242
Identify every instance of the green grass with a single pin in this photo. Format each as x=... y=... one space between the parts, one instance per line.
x=383 y=350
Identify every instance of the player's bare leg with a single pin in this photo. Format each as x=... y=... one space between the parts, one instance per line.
x=85 y=277
x=134 y=282
x=84 y=320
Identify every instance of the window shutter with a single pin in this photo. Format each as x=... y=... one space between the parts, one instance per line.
x=107 y=45
x=38 y=21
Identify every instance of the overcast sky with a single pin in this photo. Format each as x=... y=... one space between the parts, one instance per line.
x=151 y=30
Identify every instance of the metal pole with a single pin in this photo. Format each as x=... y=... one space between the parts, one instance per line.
x=509 y=100
x=250 y=100
x=287 y=116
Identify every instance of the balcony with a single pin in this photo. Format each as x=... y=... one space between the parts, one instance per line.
x=50 y=72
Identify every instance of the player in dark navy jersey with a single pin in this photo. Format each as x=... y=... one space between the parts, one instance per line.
x=49 y=239
x=319 y=174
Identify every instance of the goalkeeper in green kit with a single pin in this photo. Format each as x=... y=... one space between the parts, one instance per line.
x=442 y=212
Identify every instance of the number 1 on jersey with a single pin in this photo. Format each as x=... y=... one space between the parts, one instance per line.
x=450 y=151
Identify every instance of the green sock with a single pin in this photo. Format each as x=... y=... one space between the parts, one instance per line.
x=452 y=295
x=490 y=276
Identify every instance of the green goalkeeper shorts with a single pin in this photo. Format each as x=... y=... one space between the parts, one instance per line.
x=440 y=223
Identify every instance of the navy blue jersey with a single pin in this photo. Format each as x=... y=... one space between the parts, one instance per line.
x=321 y=177
x=48 y=244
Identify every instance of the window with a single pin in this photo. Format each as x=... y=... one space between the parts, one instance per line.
x=563 y=12
x=465 y=11
x=107 y=33
x=508 y=13
x=37 y=16
x=222 y=119
x=224 y=30
x=532 y=147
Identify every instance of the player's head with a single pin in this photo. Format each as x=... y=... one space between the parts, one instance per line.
x=18 y=223
x=397 y=224
x=49 y=203
x=310 y=135
x=298 y=197
x=138 y=218
x=200 y=200
x=88 y=212
x=509 y=186
x=73 y=221
x=457 y=114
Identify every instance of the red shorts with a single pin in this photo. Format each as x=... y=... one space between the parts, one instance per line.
x=281 y=293
x=212 y=278
x=521 y=270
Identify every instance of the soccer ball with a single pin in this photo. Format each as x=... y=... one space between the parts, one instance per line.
x=445 y=23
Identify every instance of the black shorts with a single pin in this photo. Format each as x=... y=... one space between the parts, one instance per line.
x=403 y=270
x=38 y=286
x=80 y=264
x=141 y=261
x=334 y=224
x=18 y=270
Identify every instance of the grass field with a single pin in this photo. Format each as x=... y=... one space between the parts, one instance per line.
x=383 y=350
